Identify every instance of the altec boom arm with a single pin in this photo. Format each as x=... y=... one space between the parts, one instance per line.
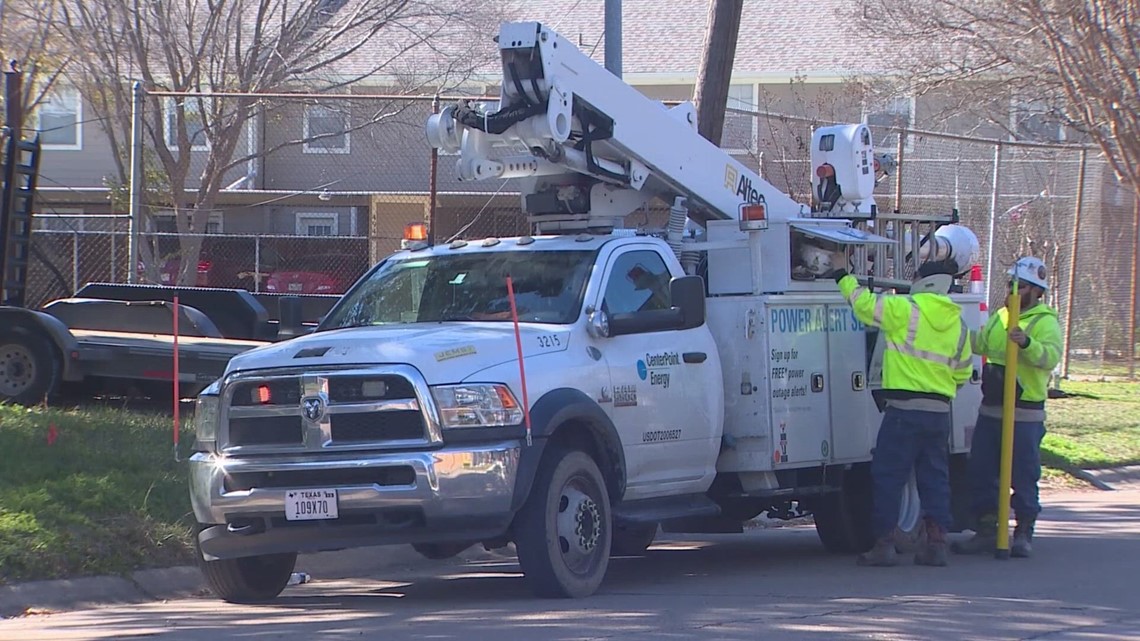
x=590 y=148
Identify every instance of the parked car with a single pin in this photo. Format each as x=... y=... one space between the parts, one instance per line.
x=317 y=274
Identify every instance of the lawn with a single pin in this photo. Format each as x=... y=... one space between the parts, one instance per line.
x=1097 y=427
x=90 y=491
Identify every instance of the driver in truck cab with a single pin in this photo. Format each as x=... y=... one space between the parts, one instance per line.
x=927 y=359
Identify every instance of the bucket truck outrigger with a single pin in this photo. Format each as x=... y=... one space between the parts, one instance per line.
x=687 y=380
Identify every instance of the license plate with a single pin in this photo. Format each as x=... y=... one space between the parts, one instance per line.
x=296 y=287
x=310 y=505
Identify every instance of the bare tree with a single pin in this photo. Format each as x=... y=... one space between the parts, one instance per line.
x=27 y=41
x=1076 y=59
x=198 y=47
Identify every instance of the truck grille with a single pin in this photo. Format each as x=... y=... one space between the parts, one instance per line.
x=338 y=410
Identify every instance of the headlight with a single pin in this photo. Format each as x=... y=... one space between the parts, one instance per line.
x=206 y=415
x=479 y=405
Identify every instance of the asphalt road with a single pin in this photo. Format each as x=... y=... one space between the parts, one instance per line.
x=770 y=584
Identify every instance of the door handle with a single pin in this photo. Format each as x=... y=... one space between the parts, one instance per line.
x=694 y=357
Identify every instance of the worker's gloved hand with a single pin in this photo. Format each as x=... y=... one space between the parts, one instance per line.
x=836 y=274
x=1020 y=337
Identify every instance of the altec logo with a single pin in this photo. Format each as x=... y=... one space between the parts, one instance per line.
x=741 y=185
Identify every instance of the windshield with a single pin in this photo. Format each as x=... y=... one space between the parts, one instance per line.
x=548 y=285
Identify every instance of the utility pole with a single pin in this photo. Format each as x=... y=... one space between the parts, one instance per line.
x=613 y=37
x=715 y=74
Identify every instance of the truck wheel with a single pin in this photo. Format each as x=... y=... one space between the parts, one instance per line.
x=251 y=579
x=843 y=519
x=29 y=368
x=440 y=551
x=633 y=539
x=563 y=532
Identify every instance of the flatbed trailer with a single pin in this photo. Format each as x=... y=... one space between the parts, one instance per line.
x=114 y=338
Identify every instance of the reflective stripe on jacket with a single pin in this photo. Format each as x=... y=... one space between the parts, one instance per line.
x=927 y=342
x=1034 y=363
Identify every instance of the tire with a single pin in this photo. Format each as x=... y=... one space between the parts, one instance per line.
x=251 y=579
x=29 y=367
x=843 y=519
x=633 y=539
x=440 y=551
x=563 y=532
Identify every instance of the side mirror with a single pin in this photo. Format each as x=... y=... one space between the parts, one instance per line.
x=688 y=294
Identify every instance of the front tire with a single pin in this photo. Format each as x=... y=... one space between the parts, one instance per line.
x=563 y=532
x=251 y=579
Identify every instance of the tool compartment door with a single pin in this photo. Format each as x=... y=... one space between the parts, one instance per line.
x=798 y=381
x=853 y=413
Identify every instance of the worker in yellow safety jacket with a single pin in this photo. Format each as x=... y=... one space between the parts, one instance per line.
x=927 y=359
x=1038 y=336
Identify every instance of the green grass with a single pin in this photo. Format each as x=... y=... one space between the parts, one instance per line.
x=105 y=497
x=1098 y=427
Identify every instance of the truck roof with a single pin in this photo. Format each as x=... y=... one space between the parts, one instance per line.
x=561 y=242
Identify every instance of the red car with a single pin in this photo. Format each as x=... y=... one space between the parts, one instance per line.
x=320 y=274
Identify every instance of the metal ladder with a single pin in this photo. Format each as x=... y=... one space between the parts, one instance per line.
x=21 y=165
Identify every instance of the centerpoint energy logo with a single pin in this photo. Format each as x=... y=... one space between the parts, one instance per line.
x=655 y=368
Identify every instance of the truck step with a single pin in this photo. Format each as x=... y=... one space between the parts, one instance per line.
x=665 y=508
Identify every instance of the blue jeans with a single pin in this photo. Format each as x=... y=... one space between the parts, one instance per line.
x=911 y=440
x=985 y=458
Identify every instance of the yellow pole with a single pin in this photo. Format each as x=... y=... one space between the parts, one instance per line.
x=1013 y=307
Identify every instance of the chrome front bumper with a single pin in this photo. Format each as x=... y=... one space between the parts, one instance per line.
x=458 y=494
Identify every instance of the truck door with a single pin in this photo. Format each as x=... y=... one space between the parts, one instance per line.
x=660 y=402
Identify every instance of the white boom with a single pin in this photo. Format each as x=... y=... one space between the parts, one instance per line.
x=592 y=148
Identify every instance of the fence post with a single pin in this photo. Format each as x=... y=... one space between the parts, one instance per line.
x=993 y=220
x=1077 y=210
x=257 y=263
x=433 y=174
x=135 y=208
x=1132 y=301
x=74 y=262
x=900 y=150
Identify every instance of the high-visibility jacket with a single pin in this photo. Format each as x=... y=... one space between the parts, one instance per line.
x=928 y=351
x=1034 y=363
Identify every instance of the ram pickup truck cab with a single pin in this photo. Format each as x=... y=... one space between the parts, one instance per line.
x=400 y=419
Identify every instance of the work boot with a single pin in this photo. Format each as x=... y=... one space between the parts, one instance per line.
x=882 y=555
x=1022 y=547
x=933 y=550
x=910 y=542
x=984 y=540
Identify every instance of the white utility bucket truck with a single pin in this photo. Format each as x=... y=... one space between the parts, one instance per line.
x=688 y=380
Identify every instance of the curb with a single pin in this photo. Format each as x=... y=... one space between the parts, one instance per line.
x=1107 y=479
x=46 y=597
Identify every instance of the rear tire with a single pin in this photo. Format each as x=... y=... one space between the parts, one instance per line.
x=29 y=367
x=632 y=539
x=843 y=519
x=251 y=579
x=564 y=531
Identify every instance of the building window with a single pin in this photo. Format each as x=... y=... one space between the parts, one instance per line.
x=60 y=116
x=326 y=130
x=194 y=120
x=885 y=117
x=740 y=132
x=164 y=223
x=1034 y=121
x=317 y=224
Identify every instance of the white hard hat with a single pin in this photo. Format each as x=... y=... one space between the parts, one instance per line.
x=1031 y=269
